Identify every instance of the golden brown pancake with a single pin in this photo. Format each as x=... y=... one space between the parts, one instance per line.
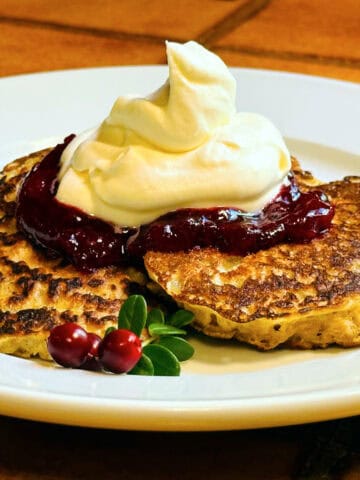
x=300 y=295
x=37 y=293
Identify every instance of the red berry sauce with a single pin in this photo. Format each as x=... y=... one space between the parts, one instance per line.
x=61 y=229
x=91 y=243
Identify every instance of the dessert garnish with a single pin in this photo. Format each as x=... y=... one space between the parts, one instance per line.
x=145 y=342
x=177 y=170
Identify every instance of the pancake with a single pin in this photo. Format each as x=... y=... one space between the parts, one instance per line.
x=297 y=295
x=37 y=292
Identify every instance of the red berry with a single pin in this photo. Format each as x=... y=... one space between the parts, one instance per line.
x=68 y=344
x=92 y=361
x=94 y=341
x=120 y=351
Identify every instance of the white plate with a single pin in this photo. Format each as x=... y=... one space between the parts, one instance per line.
x=226 y=385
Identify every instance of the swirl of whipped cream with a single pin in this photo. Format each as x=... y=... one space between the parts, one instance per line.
x=182 y=146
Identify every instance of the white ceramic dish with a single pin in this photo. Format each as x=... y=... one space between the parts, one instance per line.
x=226 y=385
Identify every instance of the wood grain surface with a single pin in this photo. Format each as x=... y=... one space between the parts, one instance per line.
x=318 y=37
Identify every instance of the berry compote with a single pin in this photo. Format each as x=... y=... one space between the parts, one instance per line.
x=91 y=243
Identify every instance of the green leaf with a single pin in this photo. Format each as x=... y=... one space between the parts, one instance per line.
x=133 y=313
x=143 y=367
x=109 y=330
x=163 y=329
x=155 y=316
x=165 y=362
x=181 y=318
x=178 y=346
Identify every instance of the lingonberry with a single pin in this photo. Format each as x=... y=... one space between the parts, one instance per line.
x=68 y=344
x=120 y=351
x=92 y=361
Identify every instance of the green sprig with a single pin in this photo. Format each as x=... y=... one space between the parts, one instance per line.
x=163 y=348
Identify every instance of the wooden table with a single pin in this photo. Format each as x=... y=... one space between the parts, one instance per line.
x=319 y=37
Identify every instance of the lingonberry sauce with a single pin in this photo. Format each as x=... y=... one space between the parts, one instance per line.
x=90 y=243
x=86 y=241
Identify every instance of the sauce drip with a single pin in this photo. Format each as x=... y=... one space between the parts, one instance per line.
x=91 y=243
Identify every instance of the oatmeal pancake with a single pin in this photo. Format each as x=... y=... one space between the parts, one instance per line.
x=297 y=295
x=37 y=292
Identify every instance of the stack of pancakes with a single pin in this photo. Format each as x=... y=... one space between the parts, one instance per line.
x=300 y=295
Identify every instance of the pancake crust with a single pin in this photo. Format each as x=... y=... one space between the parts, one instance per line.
x=299 y=295
x=37 y=293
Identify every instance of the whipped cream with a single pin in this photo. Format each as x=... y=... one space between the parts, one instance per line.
x=182 y=146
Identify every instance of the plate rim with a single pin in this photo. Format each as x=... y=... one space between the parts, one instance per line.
x=174 y=416
x=284 y=73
